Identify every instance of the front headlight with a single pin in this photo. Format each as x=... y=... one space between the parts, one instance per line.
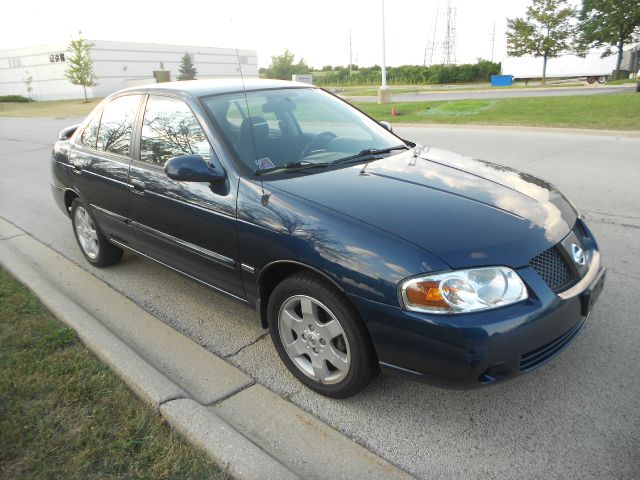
x=463 y=290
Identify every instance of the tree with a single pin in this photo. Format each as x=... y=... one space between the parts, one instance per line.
x=27 y=83
x=282 y=66
x=546 y=31
x=610 y=23
x=80 y=69
x=187 y=68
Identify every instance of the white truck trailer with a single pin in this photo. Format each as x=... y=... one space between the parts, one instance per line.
x=593 y=68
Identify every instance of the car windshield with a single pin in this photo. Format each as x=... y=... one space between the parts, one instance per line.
x=294 y=128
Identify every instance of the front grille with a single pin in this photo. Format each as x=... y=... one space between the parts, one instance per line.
x=537 y=357
x=552 y=268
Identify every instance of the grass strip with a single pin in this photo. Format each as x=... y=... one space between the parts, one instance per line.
x=49 y=108
x=63 y=414
x=619 y=111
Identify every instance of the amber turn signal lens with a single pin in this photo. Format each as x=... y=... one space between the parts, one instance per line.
x=425 y=294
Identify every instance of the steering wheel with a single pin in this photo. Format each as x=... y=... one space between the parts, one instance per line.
x=326 y=136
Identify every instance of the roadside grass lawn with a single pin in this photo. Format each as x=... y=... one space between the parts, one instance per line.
x=50 y=108
x=63 y=414
x=622 y=82
x=620 y=111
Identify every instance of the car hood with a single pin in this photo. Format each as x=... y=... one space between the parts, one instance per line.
x=468 y=212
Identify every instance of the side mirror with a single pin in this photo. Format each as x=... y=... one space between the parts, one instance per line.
x=193 y=168
x=387 y=125
x=66 y=133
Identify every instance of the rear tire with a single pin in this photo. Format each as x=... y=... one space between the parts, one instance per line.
x=320 y=336
x=591 y=80
x=93 y=244
x=602 y=79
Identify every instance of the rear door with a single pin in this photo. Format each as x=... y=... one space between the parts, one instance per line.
x=100 y=165
x=190 y=226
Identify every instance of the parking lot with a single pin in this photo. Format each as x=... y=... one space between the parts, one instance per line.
x=578 y=417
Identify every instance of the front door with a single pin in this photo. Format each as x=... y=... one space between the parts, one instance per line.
x=190 y=226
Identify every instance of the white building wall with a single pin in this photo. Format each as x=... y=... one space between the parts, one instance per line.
x=117 y=65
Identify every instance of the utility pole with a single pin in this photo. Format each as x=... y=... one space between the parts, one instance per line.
x=493 y=40
x=383 y=93
x=350 y=55
x=384 y=61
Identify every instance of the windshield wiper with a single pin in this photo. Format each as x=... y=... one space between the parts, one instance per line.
x=293 y=166
x=369 y=152
x=363 y=154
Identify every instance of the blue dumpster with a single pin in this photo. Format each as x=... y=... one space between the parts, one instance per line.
x=501 y=80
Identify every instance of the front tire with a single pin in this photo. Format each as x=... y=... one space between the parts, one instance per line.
x=320 y=336
x=93 y=244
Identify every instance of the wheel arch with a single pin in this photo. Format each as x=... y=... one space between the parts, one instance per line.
x=69 y=196
x=273 y=273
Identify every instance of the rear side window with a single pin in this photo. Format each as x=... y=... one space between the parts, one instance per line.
x=116 y=126
x=90 y=134
x=170 y=129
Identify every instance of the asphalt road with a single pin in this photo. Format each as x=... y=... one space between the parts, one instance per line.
x=498 y=93
x=577 y=417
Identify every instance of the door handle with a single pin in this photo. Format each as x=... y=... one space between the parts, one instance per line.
x=77 y=168
x=137 y=186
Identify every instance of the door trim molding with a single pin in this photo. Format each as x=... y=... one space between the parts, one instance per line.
x=178 y=242
x=177 y=270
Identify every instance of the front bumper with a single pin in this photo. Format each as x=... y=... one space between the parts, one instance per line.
x=474 y=349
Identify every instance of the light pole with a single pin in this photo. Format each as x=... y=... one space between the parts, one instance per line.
x=383 y=93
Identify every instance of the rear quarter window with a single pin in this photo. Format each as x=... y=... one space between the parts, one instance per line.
x=90 y=134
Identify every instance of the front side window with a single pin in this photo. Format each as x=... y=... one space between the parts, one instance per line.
x=275 y=128
x=116 y=126
x=170 y=129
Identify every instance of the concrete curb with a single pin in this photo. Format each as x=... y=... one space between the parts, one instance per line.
x=244 y=427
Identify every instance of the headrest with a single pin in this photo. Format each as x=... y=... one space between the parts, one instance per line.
x=258 y=125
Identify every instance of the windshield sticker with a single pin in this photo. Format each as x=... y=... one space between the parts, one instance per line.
x=264 y=163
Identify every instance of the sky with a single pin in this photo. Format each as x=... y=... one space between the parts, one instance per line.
x=317 y=31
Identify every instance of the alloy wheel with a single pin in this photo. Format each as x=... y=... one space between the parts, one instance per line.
x=86 y=232
x=314 y=339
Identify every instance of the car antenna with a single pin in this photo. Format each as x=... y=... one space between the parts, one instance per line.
x=265 y=197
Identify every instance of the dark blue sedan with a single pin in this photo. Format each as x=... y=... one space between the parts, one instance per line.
x=360 y=251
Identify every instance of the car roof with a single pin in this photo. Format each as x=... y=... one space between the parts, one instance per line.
x=201 y=88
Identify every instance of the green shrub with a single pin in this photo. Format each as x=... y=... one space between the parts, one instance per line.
x=14 y=98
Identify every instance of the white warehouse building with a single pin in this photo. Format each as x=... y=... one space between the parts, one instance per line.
x=117 y=65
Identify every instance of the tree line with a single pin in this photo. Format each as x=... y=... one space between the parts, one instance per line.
x=480 y=71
